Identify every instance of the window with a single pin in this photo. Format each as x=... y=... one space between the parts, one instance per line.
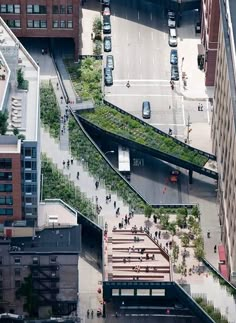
x=62 y=24
x=29 y=8
x=62 y=9
x=55 y=9
x=69 y=24
x=5 y=163
x=17 y=271
x=10 y=8
x=28 y=201
x=55 y=24
x=35 y=261
x=27 y=152
x=28 y=177
x=17 y=283
x=6 y=200
x=35 y=273
x=5 y=176
x=70 y=9
x=5 y=187
x=36 y=9
x=3 y=8
x=36 y=23
x=6 y=211
x=13 y=23
x=30 y=23
x=53 y=259
x=17 y=260
x=28 y=165
x=43 y=24
x=17 y=8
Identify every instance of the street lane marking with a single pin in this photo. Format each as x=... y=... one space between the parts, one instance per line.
x=138 y=15
x=151 y=16
x=152 y=35
x=153 y=60
x=139 y=35
x=140 y=60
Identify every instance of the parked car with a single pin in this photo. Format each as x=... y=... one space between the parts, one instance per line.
x=106 y=25
x=110 y=62
x=173 y=57
x=108 y=78
x=106 y=11
x=146 y=110
x=107 y=44
x=198 y=27
x=171 y=19
x=172 y=37
x=174 y=73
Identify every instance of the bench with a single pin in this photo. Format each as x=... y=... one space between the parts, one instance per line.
x=125 y=267
x=140 y=277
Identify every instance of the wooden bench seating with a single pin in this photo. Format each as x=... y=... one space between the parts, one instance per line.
x=142 y=267
x=131 y=276
x=125 y=240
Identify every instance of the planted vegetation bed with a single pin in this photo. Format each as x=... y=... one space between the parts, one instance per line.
x=56 y=185
x=49 y=110
x=86 y=78
x=83 y=150
x=113 y=121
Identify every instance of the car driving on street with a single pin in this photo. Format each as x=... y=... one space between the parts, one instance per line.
x=146 y=110
x=110 y=61
x=171 y=19
x=174 y=73
x=108 y=78
x=173 y=57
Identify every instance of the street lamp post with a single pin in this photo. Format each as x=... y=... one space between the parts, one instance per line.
x=109 y=152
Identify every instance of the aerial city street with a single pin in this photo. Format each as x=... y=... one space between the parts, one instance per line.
x=118 y=161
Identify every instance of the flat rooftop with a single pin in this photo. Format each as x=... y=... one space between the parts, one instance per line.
x=51 y=240
x=22 y=106
x=132 y=254
x=10 y=144
x=56 y=213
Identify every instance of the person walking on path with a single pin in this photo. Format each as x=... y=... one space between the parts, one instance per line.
x=199 y=107
x=96 y=184
x=63 y=163
x=128 y=84
x=68 y=163
x=77 y=175
x=71 y=161
x=114 y=204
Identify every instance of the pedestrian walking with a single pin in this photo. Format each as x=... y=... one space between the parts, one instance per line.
x=71 y=161
x=109 y=197
x=96 y=184
x=118 y=211
x=63 y=163
x=159 y=234
x=182 y=60
x=57 y=86
x=215 y=249
x=62 y=131
x=128 y=84
x=208 y=234
x=199 y=107
x=132 y=212
x=68 y=163
x=88 y=313
x=96 y=198
x=77 y=176
x=114 y=204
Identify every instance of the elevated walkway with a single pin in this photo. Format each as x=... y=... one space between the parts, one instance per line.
x=172 y=150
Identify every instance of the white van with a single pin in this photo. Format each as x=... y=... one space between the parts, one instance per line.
x=172 y=37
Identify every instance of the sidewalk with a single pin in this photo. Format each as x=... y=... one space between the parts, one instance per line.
x=188 y=42
x=89 y=11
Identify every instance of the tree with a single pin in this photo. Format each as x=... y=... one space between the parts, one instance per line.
x=20 y=77
x=16 y=131
x=164 y=221
x=148 y=211
x=185 y=240
x=172 y=228
x=183 y=211
x=175 y=252
x=31 y=298
x=199 y=252
x=181 y=220
x=3 y=122
x=97 y=25
x=195 y=211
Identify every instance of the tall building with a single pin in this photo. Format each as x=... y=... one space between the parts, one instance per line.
x=224 y=129
x=43 y=19
x=39 y=270
x=210 y=29
x=19 y=159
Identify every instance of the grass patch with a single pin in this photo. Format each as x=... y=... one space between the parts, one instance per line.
x=56 y=185
x=113 y=121
x=49 y=110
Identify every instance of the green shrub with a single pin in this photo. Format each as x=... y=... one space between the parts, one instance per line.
x=49 y=110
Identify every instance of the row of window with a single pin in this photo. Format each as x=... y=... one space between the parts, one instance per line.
x=5 y=163
x=35 y=261
x=5 y=176
x=6 y=200
x=16 y=270
x=5 y=187
x=4 y=211
x=40 y=24
x=35 y=9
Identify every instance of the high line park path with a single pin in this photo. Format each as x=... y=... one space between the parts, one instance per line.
x=122 y=127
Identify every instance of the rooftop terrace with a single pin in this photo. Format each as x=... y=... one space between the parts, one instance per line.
x=22 y=106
